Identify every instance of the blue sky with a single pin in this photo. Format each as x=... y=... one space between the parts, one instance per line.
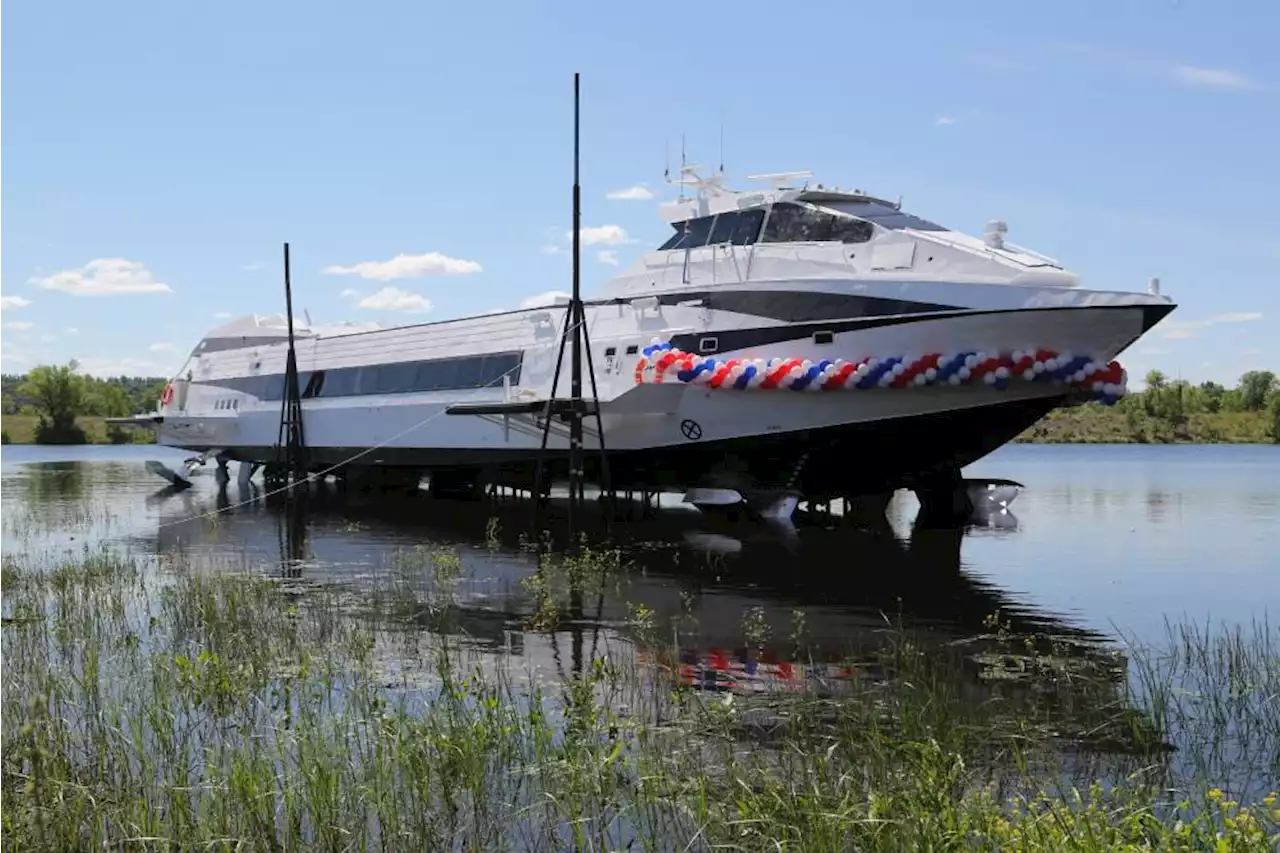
x=167 y=150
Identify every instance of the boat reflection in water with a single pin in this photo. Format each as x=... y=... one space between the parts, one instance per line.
x=748 y=608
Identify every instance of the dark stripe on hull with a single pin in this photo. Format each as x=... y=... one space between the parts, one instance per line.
x=848 y=459
x=798 y=306
x=731 y=340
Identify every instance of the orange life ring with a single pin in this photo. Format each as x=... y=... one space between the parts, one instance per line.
x=167 y=397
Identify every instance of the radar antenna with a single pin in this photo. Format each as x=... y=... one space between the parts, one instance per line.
x=781 y=180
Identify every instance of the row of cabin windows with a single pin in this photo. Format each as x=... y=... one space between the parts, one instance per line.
x=227 y=404
x=442 y=374
x=786 y=223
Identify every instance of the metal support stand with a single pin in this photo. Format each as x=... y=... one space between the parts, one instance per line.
x=575 y=325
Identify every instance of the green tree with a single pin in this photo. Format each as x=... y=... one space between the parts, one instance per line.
x=1255 y=386
x=1155 y=392
x=1273 y=415
x=1211 y=393
x=109 y=400
x=58 y=393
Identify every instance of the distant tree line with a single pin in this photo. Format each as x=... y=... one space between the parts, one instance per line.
x=1175 y=401
x=58 y=394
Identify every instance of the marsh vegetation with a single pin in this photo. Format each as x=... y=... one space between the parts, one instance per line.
x=151 y=705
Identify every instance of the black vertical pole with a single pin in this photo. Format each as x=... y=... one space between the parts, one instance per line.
x=578 y=317
x=291 y=416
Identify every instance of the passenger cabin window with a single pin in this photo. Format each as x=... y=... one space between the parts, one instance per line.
x=746 y=228
x=795 y=223
x=722 y=230
x=739 y=227
x=690 y=235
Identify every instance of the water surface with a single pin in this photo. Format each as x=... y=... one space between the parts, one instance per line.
x=1106 y=539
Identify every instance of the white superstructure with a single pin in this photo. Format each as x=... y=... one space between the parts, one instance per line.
x=795 y=270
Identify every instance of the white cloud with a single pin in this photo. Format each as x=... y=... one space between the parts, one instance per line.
x=348 y=293
x=540 y=300
x=607 y=235
x=552 y=249
x=13 y=302
x=607 y=256
x=104 y=277
x=1214 y=78
x=639 y=192
x=71 y=330
x=222 y=315
x=253 y=267
x=47 y=339
x=407 y=266
x=20 y=325
x=161 y=346
x=395 y=299
x=944 y=120
x=1180 y=330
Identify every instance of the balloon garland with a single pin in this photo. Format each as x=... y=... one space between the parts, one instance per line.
x=1106 y=382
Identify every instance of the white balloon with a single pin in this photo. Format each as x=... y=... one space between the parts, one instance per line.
x=931 y=374
x=1038 y=367
x=970 y=361
x=1096 y=387
x=862 y=370
x=1109 y=389
x=885 y=380
x=795 y=372
x=919 y=379
x=1028 y=374
x=989 y=378
x=1078 y=376
x=806 y=364
x=852 y=381
x=899 y=369
x=1052 y=364
x=1091 y=368
x=954 y=379
x=872 y=362
x=962 y=374
x=1002 y=372
x=1016 y=355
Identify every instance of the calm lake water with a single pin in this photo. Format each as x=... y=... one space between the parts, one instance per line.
x=1105 y=539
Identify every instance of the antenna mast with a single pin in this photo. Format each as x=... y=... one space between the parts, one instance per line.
x=289 y=441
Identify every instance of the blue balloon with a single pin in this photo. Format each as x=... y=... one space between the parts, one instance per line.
x=747 y=373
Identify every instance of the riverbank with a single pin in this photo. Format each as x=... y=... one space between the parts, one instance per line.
x=150 y=702
x=1095 y=424
x=21 y=429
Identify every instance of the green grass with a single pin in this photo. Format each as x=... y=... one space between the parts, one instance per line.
x=1096 y=424
x=152 y=706
x=21 y=429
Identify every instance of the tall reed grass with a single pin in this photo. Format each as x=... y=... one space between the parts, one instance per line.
x=176 y=710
